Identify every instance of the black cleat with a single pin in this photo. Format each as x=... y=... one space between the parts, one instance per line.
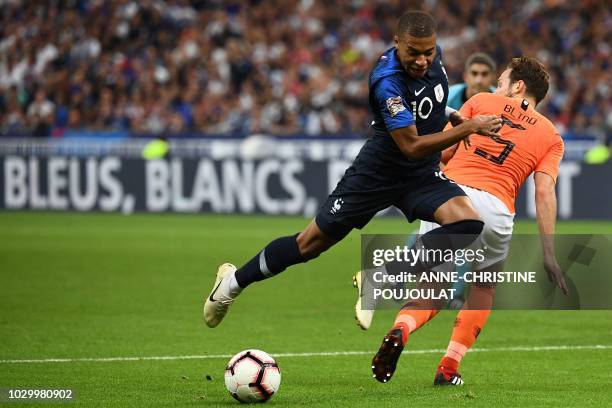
x=453 y=379
x=385 y=361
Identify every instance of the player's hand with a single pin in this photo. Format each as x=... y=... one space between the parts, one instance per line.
x=456 y=119
x=555 y=274
x=486 y=125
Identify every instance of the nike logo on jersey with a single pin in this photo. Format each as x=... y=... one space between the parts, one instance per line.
x=417 y=93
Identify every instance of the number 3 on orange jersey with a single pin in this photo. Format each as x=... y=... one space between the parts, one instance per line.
x=508 y=145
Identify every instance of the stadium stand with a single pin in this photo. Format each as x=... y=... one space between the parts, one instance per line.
x=277 y=67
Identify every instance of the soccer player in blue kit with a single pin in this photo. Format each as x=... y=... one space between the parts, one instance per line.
x=398 y=166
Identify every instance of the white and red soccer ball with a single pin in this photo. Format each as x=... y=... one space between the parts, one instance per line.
x=252 y=376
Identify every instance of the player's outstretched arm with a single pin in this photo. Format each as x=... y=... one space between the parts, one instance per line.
x=454 y=116
x=448 y=153
x=414 y=146
x=546 y=214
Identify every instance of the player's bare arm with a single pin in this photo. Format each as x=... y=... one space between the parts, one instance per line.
x=448 y=154
x=414 y=146
x=546 y=214
x=454 y=117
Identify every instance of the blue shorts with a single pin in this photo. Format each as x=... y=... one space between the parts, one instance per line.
x=361 y=193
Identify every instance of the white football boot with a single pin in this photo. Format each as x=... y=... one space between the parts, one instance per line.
x=362 y=316
x=221 y=298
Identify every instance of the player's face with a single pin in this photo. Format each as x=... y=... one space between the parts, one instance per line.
x=416 y=54
x=504 y=87
x=478 y=78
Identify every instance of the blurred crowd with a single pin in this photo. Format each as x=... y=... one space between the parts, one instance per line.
x=271 y=66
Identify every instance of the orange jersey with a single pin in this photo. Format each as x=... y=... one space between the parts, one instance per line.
x=528 y=142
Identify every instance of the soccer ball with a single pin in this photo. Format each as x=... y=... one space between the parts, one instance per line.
x=252 y=376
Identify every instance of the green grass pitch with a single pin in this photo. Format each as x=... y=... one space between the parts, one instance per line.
x=75 y=286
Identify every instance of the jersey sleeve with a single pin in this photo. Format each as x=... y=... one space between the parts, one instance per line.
x=393 y=108
x=549 y=163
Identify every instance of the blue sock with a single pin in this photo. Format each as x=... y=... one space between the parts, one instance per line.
x=456 y=235
x=273 y=259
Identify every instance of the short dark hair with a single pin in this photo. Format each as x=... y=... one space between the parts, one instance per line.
x=417 y=24
x=533 y=73
x=480 y=58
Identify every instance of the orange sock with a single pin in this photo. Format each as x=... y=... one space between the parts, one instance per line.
x=448 y=366
x=409 y=320
x=468 y=325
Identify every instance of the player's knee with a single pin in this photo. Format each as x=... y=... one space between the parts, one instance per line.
x=312 y=242
x=311 y=246
x=456 y=209
x=310 y=252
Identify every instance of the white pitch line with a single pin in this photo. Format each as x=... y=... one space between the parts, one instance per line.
x=313 y=354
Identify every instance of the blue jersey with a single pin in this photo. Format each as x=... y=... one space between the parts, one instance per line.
x=398 y=100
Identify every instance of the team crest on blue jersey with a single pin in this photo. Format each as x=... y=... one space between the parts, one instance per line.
x=439 y=92
x=395 y=105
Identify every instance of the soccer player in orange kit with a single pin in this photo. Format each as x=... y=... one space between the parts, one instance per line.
x=491 y=170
